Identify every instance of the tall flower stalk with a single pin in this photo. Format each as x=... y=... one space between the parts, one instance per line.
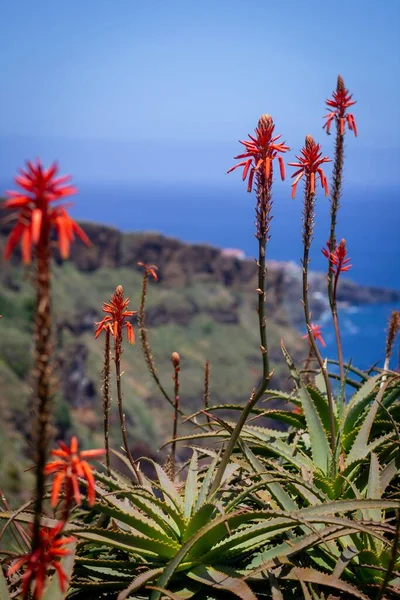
x=36 y=216
x=106 y=398
x=149 y=271
x=339 y=263
x=258 y=165
x=308 y=168
x=115 y=321
x=176 y=362
x=338 y=107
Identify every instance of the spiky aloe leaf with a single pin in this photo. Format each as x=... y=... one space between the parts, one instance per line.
x=320 y=449
x=358 y=402
x=207 y=482
x=283 y=499
x=139 y=582
x=374 y=488
x=343 y=506
x=124 y=459
x=3 y=586
x=170 y=493
x=191 y=488
x=125 y=513
x=113 y=564
x=321 y=404
x=222 y=581
x=350 y=368
x=389 y=472
x=159 y=511
x=310 y=575
x=205 y=533
x=166 y=593
x=23 y=517
x=280 y=552
x=199 y=519
x=345 y=558
x=248 y=538
x=284 y=416
x=134 y=544
x=277 y=447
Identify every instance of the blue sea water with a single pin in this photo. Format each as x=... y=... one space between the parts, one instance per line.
x=223 y=215
x=363 y=334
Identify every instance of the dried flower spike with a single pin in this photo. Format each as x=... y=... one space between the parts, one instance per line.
x=117 y=317
x=37 y=216
x=309 y=166
x=341 y=100
x=316 y=333
x=261 y=151
x=394 y=328
x=46 y=556
x=71 y=465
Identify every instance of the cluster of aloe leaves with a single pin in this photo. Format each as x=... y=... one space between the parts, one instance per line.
x=291 y=518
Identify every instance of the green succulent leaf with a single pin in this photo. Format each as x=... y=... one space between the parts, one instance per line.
x=134 y=544
x=310 y=575
x=139 y=582
x=125 y=513
x=320 y=449
x=217 y=579
x=191 y=488
x=359 y=402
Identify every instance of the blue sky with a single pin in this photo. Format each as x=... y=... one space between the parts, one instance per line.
x=163 y=89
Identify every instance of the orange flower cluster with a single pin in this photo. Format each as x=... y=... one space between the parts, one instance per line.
x=71 y=465
x=150 y=270
x=341 y=100
x=40 y=187
x=46 y=556
x=117 y=317
x=309 y=165
x=337 y=258
x=316 y=333
x=261 y=150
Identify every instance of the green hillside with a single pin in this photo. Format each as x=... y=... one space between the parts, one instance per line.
x=202 y=321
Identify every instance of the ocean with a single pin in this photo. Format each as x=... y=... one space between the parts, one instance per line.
x=223 y=215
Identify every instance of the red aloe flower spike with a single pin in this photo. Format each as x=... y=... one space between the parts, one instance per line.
x=341 y=100
x=150 y=270
x=316 y=333
x=261 y=151
x=70 y=465
x=309 y=165
x=45 y=557
x=117 y=316
x=337 y=258
x=40 y=187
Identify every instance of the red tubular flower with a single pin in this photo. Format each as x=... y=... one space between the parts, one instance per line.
x=317 y=334
x=70 y=465
x=38 y=562
x=341 y=100
x=41 y=187
x=117 y=316
x=150 y=270
x=337 y=258
x=261 y=151
x=309 y=165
